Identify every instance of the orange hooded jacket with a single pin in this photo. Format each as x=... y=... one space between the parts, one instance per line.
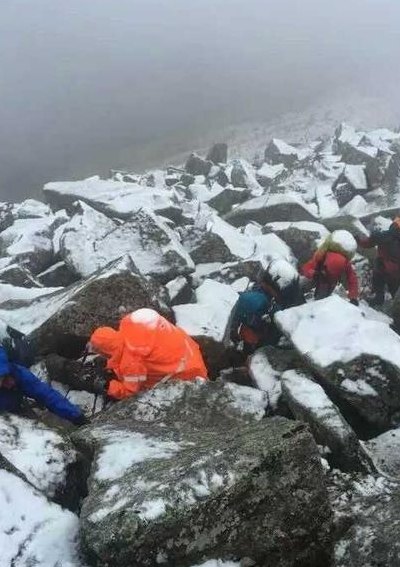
x=145 y=349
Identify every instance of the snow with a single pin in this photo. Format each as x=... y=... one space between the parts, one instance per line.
x=355 y=174
x=332 y=330
x=248 y=400
x=34 y=531
x=356 y=207
x=265 y=377
x=147 y=317
x=27 y=236
x=312 y=397
x=385 y=451
x=345 y=240
x=218 y=563
x=121 y=451
x=240 y=285
x=284 y=148
x=348 y=134
x=113 y=197
x=174 y=287
x=210 y=315
x=273 y=200
x=282 y=272
x=270 y=171
x=31 y=208
x=37 y=451
x=358 y=387
x=270 y=247
x=10 y=292
x=326 y=200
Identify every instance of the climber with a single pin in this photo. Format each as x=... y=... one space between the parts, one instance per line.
x=145 y=350
x=252 y=318
x=331 y=263
x=387 y=264
x=17 y=382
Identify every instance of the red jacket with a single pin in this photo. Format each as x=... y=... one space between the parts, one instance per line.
x=329 y=268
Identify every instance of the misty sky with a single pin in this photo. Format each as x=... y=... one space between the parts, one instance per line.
x=82 y=80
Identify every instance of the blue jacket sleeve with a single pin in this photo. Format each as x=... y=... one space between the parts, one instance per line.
x=34 y=388
x=5 y=368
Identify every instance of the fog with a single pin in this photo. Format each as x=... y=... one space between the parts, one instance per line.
x=82 y=81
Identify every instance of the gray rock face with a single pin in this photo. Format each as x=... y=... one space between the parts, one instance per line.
x=336 y=341
x=205 y=246
x=278 y=151
x=385 y=453
x=186 y=473
x=196 y=165
x=18 y=275
x=310 y=404
x=58 y=274
x=218 y=153
x=77 y=311
x=272 y=208
x=224 y=201
x=302 y=238
x=6 y=215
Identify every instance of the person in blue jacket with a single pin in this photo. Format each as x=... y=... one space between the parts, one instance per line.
x=252 y=319
x=17 y=382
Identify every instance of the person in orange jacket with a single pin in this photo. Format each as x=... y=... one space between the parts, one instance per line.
x=145 y=350
x=331 y=263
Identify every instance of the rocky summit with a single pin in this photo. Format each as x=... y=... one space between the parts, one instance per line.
x=286 y=459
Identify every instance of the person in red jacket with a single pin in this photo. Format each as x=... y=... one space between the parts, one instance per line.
x=145 y=350
x=387 y=264
x=331 y=263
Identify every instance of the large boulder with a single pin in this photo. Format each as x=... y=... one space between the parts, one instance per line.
x=6 y=215
x=14 y=295
x=31 y=209
x=207 y=321
x=188 y=472
x=29 y=242
x=385 y=452
x=224 y=200
x=59 y=274
x=279 y=151
x=90 y=241
x=268 y=175
x=195 y=165
x=309 y=403
x=271 y=208
x=18 y=275
x=45 y=456
x=34 y=531
x=113 y=198
x=218 y=153
x=303 y=238
x=354 y=355
x=205 y=246
x=76 y=312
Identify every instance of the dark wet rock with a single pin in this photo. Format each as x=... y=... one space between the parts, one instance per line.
x=205 y=246
x=57 y=275
x=226 y=199
x=196 y=165
x=218 y=153
x=303 y=238
x=206 y=479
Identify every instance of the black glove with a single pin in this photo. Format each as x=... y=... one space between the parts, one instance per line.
x=354 y=302
x=81 y=420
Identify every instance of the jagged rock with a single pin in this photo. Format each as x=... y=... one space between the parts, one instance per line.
x=32 y=209
x=355 y=356
x=227 y=198
x=113 y=198
x=207 y=320
x=218 y=153
x=310 y=404
x=91 y=240
x=268 y=175
x=228 y=273
x=14 y=296
x=58 y=274
x=196 y=165
x=271 y=208
x=34 y=531
x=205 y=246
x=186 y=473
x=368 y=509
x=46 y=458
x=279 y=151
x=76 y=312
x=303 y=238
x=238 y=175
x=6 y=215
x=29 y=242
x=326 y=201
x=384 y=451
x=179 y=291
x=18 y=275
x=266 y=367
x=187 y=179
x=350 y=183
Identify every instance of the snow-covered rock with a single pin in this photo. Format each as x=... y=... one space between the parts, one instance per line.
x=59 y=274
x=218 y=153
x=77 y=311
x=326 y=201
x=15 y=274
x=279 y=152
x=42 y=454
x=272 y=208
x=357 y=356
x=172 y=478
x=385 y=452
x=179 y=291
x=196 y=165
x=113 y=198
x=303 y=238
x=268 y=175
x=29 y=242
x=34 y=531
x=91 y=241
x=31 y=209
x=23 y=295
x=270 y=247
x=309 y=403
